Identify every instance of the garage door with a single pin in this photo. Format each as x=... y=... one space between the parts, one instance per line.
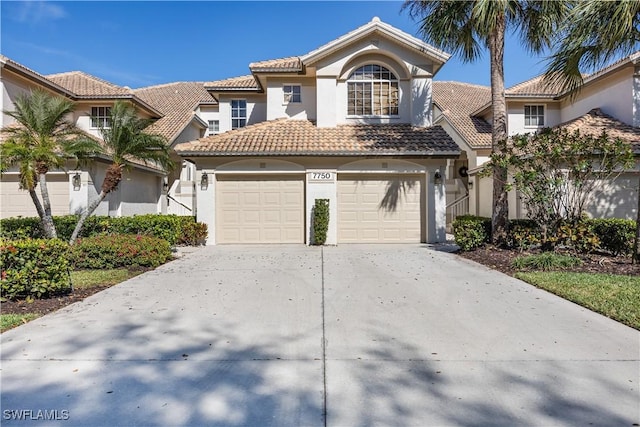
x=379 y=208
x=16 y=202
x=259 y=209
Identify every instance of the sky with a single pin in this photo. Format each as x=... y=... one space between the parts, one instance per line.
x=145 y=43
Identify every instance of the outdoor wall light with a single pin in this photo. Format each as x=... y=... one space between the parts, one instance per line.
x=470 y=185
x=165 y=185
x=437 y=178
x=76 y=182
x=204 y=181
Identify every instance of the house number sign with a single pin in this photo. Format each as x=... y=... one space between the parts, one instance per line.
x=321 y=176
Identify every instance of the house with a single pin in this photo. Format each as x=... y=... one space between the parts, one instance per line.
x=143 y=187
x=609 y=100
x=350 y=122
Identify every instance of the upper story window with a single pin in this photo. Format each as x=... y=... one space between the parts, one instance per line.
x=100 y=117
x=238 y=113
x=292 y=93
x=534 y=115
x=372 y=91
x=214 y=126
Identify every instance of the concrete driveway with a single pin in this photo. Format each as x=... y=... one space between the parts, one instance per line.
x=304 y=336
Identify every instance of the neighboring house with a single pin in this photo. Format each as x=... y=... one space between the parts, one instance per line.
x=609 y=100
x=350 y=122
x=179 y=110
x=72 y=188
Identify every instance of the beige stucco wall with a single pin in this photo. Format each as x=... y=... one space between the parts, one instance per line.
x=256 y=109
x=277 y=108
x=515 y=116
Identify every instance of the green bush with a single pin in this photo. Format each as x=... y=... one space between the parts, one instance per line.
x=120 y=250
x=193 y=233
x=616 y=235
x=471 y=232
x=546 y=261
x=320 y=221
x=34 y=268
x=523 y=234
x=579 y=237
x=172 y=228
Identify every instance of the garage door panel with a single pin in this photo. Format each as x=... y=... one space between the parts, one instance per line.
x=379 y=208
x=16 y=202
x=269 y=209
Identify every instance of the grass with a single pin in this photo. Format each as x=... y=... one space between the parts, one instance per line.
x=81 y=279
x=8 y=321
x=617 y=297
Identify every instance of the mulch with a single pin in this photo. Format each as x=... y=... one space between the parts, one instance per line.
x=48 y=305
x=502 y=259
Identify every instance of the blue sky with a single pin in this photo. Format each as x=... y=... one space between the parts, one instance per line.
x=146 y=43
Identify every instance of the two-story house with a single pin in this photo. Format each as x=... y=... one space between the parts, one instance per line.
x=175 y=108
x=609 y=101
x=350 y=122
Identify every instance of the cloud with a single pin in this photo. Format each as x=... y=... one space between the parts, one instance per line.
x=36 y=12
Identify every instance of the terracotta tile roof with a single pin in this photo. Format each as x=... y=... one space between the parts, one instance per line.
x=291 y=64
x=595 y=121
x=287 y=137
x=177 y=101
x=86 y=85
x=535 y=87
x=457 y=101
x=10 y=63
x=234 y=83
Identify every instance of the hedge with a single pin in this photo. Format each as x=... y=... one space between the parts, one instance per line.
x=320 y=221
x=119 y=250
x=34 y=268
x=610 y=235
x=172 y=228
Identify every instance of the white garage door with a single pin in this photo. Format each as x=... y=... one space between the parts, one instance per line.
x=259 y=209
x=379 y=208
x=16 y=202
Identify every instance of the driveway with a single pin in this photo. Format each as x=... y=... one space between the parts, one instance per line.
x=304 y=336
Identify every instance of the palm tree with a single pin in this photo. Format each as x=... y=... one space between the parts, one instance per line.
x=42 y=139
x=125 y=140
x=467 y=28
x=596 y=33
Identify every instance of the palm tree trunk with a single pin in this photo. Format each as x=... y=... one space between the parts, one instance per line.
x=636 y=242
x=500 y=216
x=85 y=214
x=36 y=202
x=47 y=218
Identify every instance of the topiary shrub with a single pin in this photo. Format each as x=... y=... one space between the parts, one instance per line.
x=120 y=250
x=616 y=235
x=471 y=232
x=320 y=221
x=34 y=268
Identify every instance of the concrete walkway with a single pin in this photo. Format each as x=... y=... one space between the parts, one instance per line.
x=302 y=336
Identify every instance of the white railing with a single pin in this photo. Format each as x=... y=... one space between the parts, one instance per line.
x=181 y=198
x=457 y=208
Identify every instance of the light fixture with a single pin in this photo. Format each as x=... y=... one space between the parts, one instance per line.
x=76 y=182
x=204 y=181
x=165 y=184
x=470 y=185
x=437 y=178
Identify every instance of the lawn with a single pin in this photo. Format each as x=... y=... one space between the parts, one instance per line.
x=614 y=296
x=85 y=283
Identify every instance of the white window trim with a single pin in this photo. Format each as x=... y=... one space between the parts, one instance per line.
x=246 y=113
x=544 y=116
x=373 y=116
x=91 y=116
x=213 y=132
x=284 y=93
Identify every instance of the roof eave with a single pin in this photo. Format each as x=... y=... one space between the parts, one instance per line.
x=318 y=153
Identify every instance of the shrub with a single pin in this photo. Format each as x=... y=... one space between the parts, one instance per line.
x=34 y=268
x=579 y=237
x=174 y=229
x=120 y=250
x=471 y=232
x=616 y=235
x=320 y=221
x=546 y=261
x=524 y=234
x=193 y=233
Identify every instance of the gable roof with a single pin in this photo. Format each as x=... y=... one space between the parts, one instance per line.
x=177 y=102
x=596 y=121
x=288 y=137
x=457 y=101
x=24 y=71
x=247 y=83
x=287 y=65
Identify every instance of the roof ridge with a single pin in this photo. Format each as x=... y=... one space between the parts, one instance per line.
x=463 y=83
x=160 y=85
x=274 y=59
x=95 y=78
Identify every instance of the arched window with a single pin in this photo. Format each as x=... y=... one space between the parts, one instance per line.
x=372 y=91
